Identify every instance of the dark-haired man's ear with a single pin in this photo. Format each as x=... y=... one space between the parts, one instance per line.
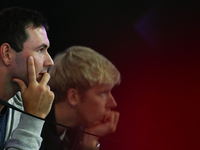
x=5 y=51
x=73 y=97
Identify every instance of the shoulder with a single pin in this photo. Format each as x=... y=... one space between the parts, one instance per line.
x=16 y=101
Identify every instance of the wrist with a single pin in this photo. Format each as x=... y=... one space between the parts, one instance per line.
x=85 y=147
x=89 y=140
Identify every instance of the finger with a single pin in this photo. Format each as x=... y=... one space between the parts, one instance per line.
x=45 y=78
x=48 y=88
x=52 y=95
x=21 y=84
x=112 y=118
x=109 y=117
x=116 y=118
x=31 y=70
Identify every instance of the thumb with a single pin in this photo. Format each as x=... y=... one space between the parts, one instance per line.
x=21 y=84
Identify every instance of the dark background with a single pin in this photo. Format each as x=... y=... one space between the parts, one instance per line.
x=155 y=46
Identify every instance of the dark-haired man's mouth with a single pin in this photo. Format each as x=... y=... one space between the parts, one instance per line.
x=39 y=78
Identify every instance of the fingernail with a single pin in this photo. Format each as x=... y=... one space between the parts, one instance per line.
x=30 y=58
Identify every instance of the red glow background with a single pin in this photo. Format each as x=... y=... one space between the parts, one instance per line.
x=155 y=46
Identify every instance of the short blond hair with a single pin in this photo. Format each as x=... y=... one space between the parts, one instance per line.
x=81 y=67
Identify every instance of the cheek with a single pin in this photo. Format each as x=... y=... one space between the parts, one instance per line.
x=21 y=63
x=97 y=111
x=96 y=117
x=38 y=64
x=93 y=109
x=19 y=69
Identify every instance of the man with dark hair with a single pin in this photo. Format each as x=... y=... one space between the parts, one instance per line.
x=24 y=62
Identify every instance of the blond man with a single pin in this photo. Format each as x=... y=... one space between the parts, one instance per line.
x=81 y=80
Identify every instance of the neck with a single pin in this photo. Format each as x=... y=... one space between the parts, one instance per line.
x=65 y=115
x=7 y=88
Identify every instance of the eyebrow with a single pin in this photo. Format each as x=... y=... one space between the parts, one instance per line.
x=42 y=45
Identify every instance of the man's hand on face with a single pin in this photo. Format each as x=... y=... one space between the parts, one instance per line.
x=37 y=97
x=108 y=126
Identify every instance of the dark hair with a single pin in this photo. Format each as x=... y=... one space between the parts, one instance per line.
x=13 y=24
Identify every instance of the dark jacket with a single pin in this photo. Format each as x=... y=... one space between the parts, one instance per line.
x=51 y=140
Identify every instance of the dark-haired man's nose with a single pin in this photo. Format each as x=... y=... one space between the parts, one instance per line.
x=48 y=61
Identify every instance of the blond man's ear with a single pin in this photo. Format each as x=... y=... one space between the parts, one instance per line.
x=73 y=97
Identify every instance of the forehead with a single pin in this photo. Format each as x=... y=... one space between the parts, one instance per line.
x=101 y=87
x=36 y=37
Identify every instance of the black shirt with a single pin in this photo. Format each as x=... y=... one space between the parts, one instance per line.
x=52 y=141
